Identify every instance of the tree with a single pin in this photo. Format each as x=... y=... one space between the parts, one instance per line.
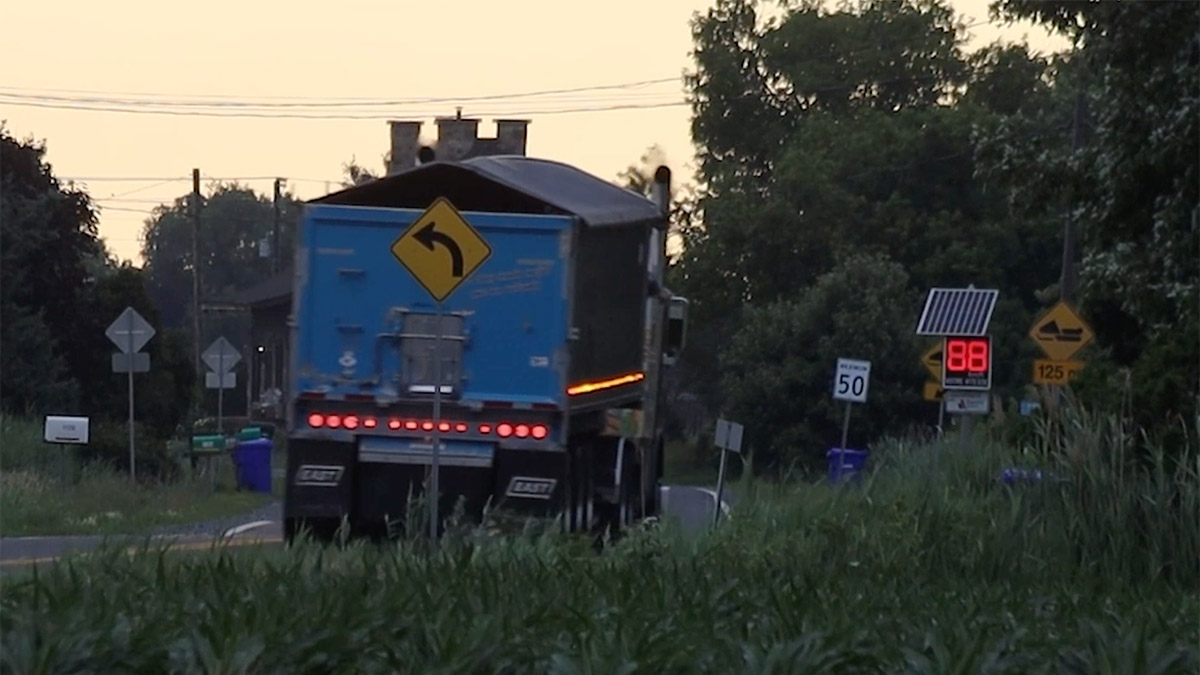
x=828 y=134
x=778 y=370
x=355 y=174
x=47 y=235
x=1134 y=188
x=234 y=221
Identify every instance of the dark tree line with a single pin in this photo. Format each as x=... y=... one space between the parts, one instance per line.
x=852 y=158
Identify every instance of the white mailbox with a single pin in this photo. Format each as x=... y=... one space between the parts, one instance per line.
x=66 y=429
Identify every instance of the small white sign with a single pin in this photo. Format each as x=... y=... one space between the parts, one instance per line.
x=221 y=356
x=221 y=381
x=735 y=437
x=851 y=380
x=130 y=332
x=966 y=402
x=61 y=429
x=729 y=435
x=722 y=433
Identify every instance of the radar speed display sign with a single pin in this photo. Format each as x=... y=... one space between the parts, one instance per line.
x=967 y=363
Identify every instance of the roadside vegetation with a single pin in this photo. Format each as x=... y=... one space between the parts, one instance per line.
x=48 y=489
x=931 y=563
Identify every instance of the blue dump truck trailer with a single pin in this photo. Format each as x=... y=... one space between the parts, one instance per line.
x=526 y=296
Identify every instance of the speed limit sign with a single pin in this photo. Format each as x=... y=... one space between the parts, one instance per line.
x=850 y=382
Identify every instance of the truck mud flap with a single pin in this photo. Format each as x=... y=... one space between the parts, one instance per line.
x=393 y=471
x=531 y=482
x=320 y=479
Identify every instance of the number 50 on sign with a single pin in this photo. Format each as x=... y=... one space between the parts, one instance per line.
x=851 y=380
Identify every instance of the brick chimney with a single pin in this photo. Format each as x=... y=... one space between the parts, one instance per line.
x=405 y=144
x=511 y=136
x=456 y=137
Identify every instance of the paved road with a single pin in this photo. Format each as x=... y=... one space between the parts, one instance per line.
x=691 y=506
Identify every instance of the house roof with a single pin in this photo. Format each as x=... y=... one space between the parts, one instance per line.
x=275 y=289
x=506 y=184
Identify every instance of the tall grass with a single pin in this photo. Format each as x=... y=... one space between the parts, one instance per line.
x=930 y=565
x=47 y=490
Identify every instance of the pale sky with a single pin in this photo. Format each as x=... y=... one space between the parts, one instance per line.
x=305 y=52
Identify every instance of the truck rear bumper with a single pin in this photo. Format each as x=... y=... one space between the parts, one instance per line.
x=375 y=481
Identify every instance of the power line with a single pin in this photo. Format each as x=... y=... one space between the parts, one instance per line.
x=119 y=208
x=306 y=102
x=330 y=117
x=147 y=187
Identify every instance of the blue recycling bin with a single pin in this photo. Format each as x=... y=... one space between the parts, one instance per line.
x=845 y=464
x=253 y=461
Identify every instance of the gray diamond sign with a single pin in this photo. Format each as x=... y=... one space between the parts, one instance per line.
x=130 y=332
x=220 y=356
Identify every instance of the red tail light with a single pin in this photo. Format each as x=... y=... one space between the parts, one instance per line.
x=504 y=430
x=427 y=426
x=485 y=428
x=461 y=427
x=333 y=421
x=445 y=427
x=393 y=424
x=539 y=431
x=316 y=420
x=370 y=423
x=411 y=425
x=522 y=431
x=351 y=422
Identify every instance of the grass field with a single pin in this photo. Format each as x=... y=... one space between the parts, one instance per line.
x=44 y=492
x=930 y=565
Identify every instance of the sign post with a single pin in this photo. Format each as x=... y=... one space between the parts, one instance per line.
x=221 y=357
x=63 y=432
x=850 y=385
x=130 y=332
x=729 y=437
x=441 y=250
x=437 y=425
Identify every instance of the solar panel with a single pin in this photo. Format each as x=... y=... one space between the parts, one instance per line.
x=957 y=311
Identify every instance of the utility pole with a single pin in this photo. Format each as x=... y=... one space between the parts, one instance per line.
x=275 y=231
x=196 y=267
x=1067 y=283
